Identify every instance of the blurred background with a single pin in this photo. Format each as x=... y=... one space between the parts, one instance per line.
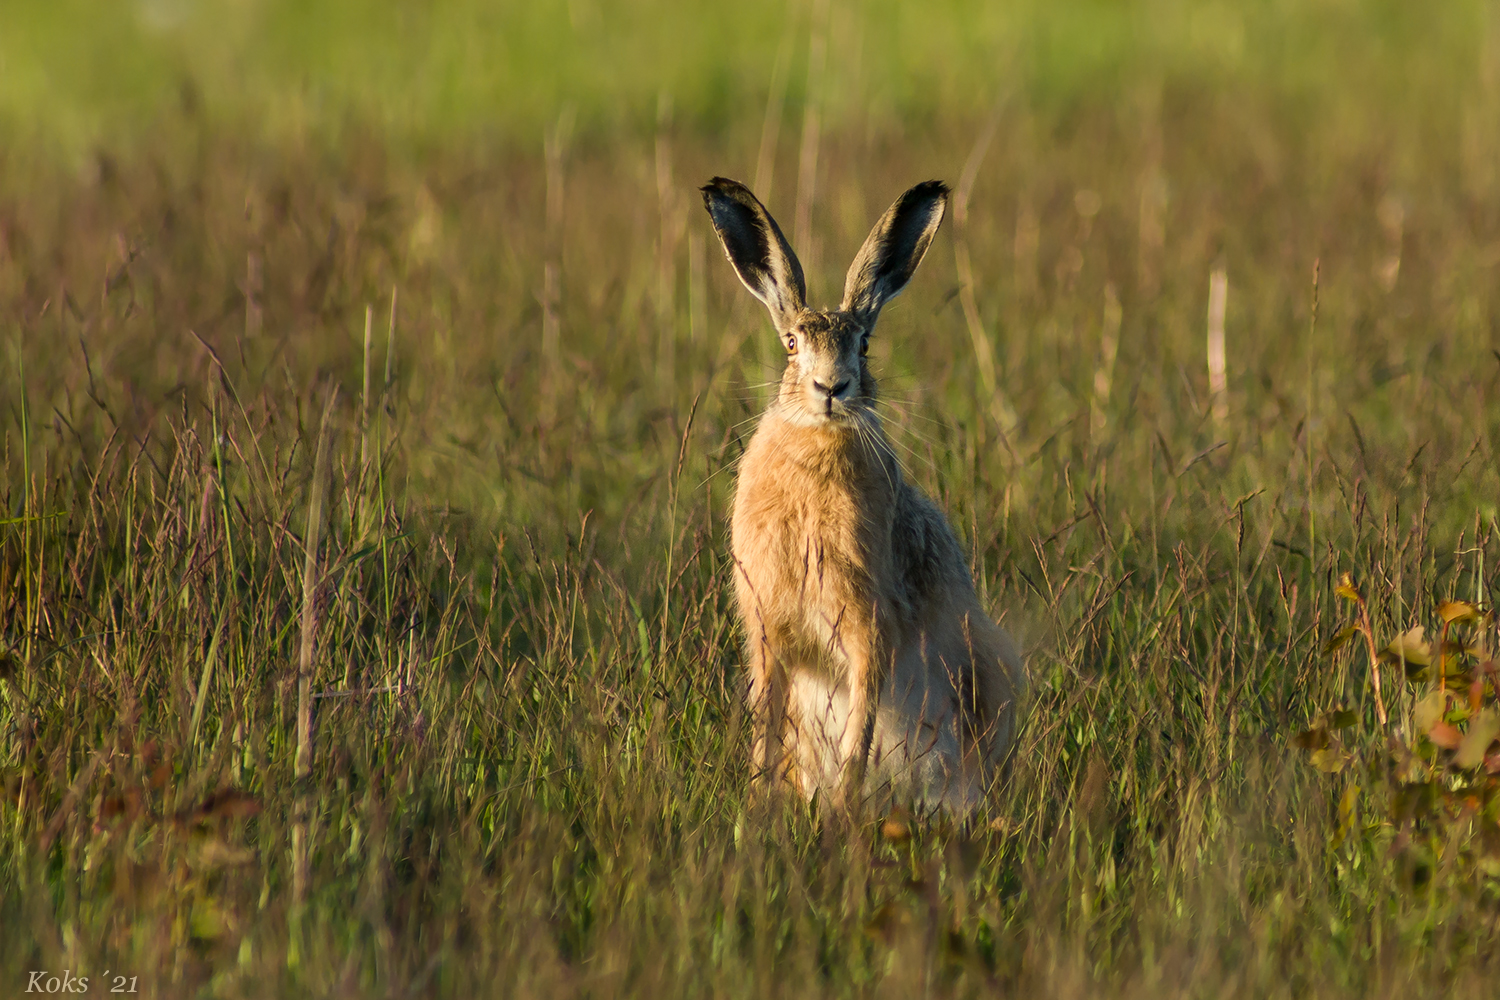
x=77 y=73
x=270 y=170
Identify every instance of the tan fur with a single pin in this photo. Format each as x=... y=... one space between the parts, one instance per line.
x=870 y=657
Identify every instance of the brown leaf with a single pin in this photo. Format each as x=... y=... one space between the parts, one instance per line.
x=230 y=803
x=1445 y=735
x=885 y=922
x=1401 y=842
x=115 y=806
x=897 y=826
x=1412 y=801
x=1483 y=728
x=1315 y=738
x=215 y=853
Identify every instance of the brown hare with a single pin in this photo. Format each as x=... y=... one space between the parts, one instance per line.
x=873 y=667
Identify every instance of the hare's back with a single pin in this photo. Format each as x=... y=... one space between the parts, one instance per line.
x=949 y=630
x=926 y=553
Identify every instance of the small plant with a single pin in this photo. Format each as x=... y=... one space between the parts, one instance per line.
x=1432 y=779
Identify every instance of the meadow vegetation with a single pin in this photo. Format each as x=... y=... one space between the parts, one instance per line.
x=445 y=306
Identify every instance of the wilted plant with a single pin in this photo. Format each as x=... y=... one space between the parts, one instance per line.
x=1430 y=781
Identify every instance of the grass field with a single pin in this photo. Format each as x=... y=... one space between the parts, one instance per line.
x=386 y=363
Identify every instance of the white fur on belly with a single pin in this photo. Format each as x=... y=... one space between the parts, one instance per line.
x=915 y=753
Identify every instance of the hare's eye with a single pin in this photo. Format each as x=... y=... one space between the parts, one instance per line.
x=864 y=345
x=791 y=343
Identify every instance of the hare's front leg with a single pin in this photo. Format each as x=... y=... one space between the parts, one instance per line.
x=768 y=701
x=867 y=653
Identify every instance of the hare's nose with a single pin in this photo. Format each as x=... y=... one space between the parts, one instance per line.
x=831 y=393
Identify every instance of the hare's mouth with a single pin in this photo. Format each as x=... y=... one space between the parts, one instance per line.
x=822 y=411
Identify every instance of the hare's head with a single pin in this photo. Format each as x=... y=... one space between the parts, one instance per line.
x=826 y=379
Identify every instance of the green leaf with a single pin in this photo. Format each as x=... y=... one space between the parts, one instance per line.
x=1346 y=588
x=1340 y=639
x=1329 y=760
x=1342 y=718
x=207 y=919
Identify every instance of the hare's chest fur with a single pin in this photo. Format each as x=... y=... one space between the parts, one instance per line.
x=811 y=530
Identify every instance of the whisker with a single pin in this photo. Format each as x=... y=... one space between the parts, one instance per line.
x=872 y=441
x=910 y=434
x=916 y=455
x=753 y=418
x=913 y=432
x=914 y=458
x=727 y=466
x=907 y=411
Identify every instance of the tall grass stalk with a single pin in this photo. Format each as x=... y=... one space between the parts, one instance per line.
x=307 y=654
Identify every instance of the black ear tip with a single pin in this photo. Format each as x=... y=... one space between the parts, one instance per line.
x=721 y=189
x=723 y=186
x=923 y=195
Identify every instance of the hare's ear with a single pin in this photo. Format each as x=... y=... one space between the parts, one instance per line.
x=893 y=250
x=755 y=246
